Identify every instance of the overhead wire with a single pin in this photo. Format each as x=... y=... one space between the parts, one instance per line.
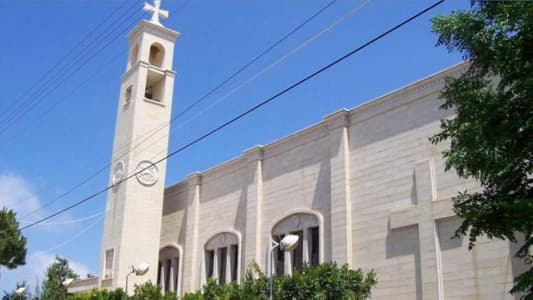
x=52 y=106
x=25 y=106
x=247 y=112
x=266 y=69
x=150 y=133
x=58 y=63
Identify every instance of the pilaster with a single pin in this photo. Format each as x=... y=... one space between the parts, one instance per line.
x=254 y=201
x=341 y=208
x=191 y=260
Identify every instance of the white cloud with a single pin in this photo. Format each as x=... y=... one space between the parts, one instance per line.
x=16 y=193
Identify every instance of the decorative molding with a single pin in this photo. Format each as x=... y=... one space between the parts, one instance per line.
x=153 y=29
x=118 y=173
x=221 y=239
x=158 y=103
x=405 y=94
x=147 y=173
x=230 y=166
x=391 y=100
x=255 y=153
x=338 y=119
x=194 y=178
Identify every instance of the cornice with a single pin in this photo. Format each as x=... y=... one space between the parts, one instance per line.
x=406 y=94
x=343 y=117
x=255 y=153
x=151 y=28
x=142 y=64
x=194 y=178
x=340 y=118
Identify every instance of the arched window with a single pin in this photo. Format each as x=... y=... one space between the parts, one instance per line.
x=168 y=272
x=222 y=257
x=307 y=227
x=157 y=53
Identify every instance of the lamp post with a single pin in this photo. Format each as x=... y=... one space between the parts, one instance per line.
x=287 y=244
x=138 y=270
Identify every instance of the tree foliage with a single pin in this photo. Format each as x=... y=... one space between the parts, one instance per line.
x=326 y=281
x=117 y=294
x=147 y=291
x=152 y=292
x=491 y=135
x=53 y=288
x=12 y=243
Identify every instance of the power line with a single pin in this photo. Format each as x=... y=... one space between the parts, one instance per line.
x=279 y=61
x=84 y=181
x=19 y=109
x=35 y=84
x=153 y=131
x=247 y=112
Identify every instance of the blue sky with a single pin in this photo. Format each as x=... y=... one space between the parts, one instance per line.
x=68 y=134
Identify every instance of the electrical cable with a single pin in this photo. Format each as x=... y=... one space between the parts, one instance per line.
x=23 y=106
x=247 y=112
x=126 y=149
x=35 y=84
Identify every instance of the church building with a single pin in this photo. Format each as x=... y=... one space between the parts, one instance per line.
x=363 y=187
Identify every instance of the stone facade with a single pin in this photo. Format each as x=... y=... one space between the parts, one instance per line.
x=377 y=187
x=363 y=187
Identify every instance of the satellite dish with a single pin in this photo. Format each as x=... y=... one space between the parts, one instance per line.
x=141 y=269
x=289 y=242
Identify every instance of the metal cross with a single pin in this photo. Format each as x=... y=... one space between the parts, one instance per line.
x=156 y=11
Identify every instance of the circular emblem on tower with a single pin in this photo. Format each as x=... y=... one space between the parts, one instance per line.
x=118 y=173
x=147 y=173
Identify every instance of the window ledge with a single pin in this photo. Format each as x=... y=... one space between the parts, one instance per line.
x=154 y=102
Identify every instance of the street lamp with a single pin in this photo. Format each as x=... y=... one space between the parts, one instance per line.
x=20 y=290
x=67 y=282
x=287 y=244
x=138 y=270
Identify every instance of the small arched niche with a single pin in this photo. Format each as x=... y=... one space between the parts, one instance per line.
x=168 y=271
x=307 y=227
x=222 y=257
x=157 y=55
x=134 y=55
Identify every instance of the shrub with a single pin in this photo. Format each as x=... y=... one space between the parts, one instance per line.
x=326 y=282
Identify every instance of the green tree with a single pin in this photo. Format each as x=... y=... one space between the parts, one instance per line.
x=491 y=135
x=53 y=288
x=117 y=294
x=12 y=243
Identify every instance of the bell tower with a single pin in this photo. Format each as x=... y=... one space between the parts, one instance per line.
x=134 y=206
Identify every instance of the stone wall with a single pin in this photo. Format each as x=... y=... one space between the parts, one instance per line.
x=378 y=187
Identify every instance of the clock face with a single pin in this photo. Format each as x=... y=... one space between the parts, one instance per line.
x=118 y=173
x=147 y=173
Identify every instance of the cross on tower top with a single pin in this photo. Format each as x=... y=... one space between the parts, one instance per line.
x=156 y=11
